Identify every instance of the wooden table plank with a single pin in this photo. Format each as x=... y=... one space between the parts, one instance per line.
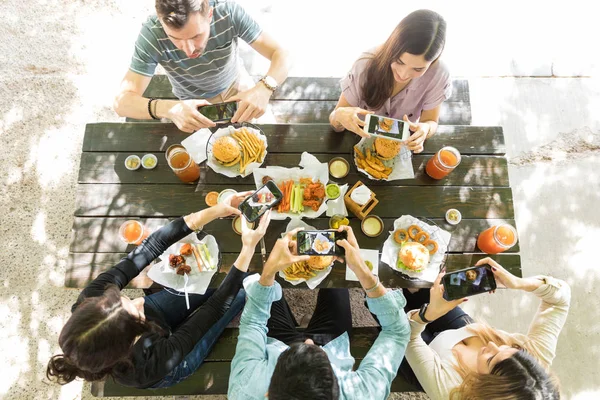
x=101 y=167
x=176 y=200
x=285 y=138
x=100 y=235
x=84 y=267
x=298 y=88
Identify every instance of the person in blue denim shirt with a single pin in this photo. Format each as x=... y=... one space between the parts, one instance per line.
x=266 y=367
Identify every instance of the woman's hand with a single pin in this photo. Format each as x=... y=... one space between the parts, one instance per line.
x=348 y=118
x=251 y=237
x=508 y=280
x=229 y=207
x=417 y=138
x=438 y=306
x=283 y=255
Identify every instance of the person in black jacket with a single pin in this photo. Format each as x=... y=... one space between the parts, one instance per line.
x=152 y=341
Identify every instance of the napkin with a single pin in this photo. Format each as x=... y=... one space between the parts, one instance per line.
x=361 y=195
x=370 y=255
x=337 y=206
x=196 y=143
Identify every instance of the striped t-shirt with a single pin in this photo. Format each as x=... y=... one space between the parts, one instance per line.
x=216 y=68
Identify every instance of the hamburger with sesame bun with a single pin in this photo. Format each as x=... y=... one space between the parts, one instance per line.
x=319 y=262
x=387 y=149
x=413 y=256
x=226 y=151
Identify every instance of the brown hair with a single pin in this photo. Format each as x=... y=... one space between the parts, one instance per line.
x=422 y=32
x=519 y=377
x=97 y=340
x=175 y=13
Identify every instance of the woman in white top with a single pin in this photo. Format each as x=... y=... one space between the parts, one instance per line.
x=454 y=358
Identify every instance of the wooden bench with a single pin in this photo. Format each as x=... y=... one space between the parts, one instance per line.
x=306 y=99
x=213 y=375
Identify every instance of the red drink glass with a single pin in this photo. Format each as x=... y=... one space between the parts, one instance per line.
x=443 y=162
x=133 y=232
x=497 y=239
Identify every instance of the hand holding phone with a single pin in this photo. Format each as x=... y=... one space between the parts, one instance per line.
x=265 y=198
x=219 y=112
x=320 y=243
x=468 y=282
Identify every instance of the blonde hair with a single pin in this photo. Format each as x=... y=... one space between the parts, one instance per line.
x=520 y=377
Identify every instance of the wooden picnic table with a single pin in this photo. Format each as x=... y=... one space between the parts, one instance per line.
x=109 y=194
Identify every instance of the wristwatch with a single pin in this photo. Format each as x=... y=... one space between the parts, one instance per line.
x=269 y=82
x=422 y=313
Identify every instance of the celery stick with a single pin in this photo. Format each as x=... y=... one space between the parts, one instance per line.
x=292 y=200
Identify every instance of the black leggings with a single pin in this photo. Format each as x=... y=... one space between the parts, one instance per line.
x=455 y=319
x=332 y=317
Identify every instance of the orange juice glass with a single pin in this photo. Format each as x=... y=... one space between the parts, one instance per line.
x=443 y=162
x=133 y=232
x=497 y=239
x=182 y=164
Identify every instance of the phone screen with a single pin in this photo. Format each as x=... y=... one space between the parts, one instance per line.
x=219 y=112
x=320 y=243
x=260 y=201
x=388 y=127
x=468 y=282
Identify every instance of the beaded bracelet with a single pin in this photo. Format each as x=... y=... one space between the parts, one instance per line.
x=150 y=109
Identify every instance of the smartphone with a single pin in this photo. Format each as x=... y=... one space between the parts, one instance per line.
x=255 y=205
x=320 y=243
x=389 y=128
x=220 y=112
x=468 y=282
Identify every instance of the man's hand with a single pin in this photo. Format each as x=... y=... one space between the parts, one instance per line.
x=283 y=255
x=252 y=103
x=348 y=118
x=184 y=114
x=417 y=138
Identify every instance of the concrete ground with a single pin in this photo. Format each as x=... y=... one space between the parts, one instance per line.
x=62 y=62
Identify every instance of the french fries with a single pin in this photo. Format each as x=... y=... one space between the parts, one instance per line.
x=253 y=149
x=299 y=270
x=371 y=163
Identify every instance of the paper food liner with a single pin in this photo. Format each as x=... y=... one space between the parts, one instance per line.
x=401 y=164
x=367 y=255
x=338 y=206
x=321 y=275
x=389 y=253
x=233 y=171
x=198 y=281
x=196 y=143
x=312 y=168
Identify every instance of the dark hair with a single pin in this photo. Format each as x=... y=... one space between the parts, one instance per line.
x=303 y=372
x=97 y=339
x=519 y=377
x=422 y=32
x=175 y=13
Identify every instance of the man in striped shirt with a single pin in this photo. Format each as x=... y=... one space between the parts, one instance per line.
x=196 y=42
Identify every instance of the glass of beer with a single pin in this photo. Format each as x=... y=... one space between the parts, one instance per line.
x=497 y=239
x=443 y=162
x=133 y=232
x=182 y=164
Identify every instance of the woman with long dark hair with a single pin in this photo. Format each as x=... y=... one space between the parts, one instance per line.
x=152 y=341
x=454 y=357
x=402 y=79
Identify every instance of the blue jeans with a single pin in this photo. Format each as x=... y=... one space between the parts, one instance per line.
x=173 y=308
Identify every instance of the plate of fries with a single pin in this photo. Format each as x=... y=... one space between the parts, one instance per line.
x=252 y=151
x=302 y=271
x=375 y=167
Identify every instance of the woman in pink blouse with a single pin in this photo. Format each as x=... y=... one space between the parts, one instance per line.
x=402 y=78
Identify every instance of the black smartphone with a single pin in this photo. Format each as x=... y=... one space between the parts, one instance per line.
x=389 y=128
x=220 y=112
x=255 y=205
x=468 y=282
x=320 y=243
